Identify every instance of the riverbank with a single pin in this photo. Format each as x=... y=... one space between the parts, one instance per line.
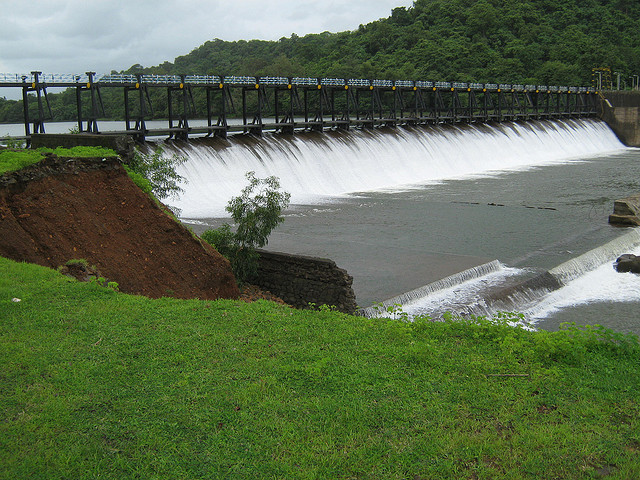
x=63 y=209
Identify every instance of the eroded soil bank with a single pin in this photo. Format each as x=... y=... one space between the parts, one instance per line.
x=63 y=209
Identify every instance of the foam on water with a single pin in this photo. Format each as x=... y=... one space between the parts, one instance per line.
x=460 y=291
x=313 y=166
x=588 y=278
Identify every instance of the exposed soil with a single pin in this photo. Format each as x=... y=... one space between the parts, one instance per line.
x=63 y=209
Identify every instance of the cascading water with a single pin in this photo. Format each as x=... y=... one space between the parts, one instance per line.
x=438 y=290
x=314 y=166
x=593 y=259
x=602 y=285
x=592 y=278
x=539 y=294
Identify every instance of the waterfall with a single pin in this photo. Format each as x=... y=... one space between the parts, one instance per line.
x=316 y=166
x=600 y=285
x=502 y=289
x=592 y=278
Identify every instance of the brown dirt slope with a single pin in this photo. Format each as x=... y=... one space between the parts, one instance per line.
x=63 y=209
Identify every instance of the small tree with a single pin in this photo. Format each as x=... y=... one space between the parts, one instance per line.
x=256 y=212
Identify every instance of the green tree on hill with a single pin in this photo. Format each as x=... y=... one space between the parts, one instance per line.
x=515 y=41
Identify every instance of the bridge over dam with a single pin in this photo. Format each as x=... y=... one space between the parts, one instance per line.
x=292 y=104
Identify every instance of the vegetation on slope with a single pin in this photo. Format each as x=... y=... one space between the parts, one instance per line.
x=96 y=383
x=15 y=159
x=519 y=41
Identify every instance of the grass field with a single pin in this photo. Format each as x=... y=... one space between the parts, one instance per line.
x=99 y=384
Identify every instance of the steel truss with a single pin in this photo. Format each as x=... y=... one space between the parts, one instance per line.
x=292 y=104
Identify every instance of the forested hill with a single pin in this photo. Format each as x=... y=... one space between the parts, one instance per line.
x=555 y=42
x=511 y=41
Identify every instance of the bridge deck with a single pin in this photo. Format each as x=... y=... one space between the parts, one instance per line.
x=270 y=103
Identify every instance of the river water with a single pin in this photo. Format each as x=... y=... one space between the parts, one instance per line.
x=401 y=209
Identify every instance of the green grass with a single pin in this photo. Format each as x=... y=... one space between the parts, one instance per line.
x=95 y=383
x=12 y=160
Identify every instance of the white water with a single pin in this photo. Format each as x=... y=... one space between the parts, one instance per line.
x=454 y=293
x=457 y=297
x=588 y=278
x=602 y=285
x=591 y=278
x=318 y=167
x=442 y=289
x=593 y=259
x=315 y=167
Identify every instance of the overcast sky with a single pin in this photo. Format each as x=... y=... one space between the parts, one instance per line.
x=75 y=36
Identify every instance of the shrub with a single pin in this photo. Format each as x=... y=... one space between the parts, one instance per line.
x=142 y=183
x=256 y=212
x=222 y=239
x=10 y=142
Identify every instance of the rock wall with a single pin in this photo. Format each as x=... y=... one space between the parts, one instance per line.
x=300 y=280
x=621 y=111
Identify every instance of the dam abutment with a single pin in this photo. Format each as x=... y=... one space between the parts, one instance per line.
x=123 y=145
x=621 y=111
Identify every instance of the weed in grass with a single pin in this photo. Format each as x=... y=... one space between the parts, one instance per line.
x=394 y=311
x=11 y=142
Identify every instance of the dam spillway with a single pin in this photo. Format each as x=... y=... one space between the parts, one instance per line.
x=316 y=166
x=294 y=104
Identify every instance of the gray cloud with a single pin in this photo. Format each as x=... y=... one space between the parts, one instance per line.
x=74 y=36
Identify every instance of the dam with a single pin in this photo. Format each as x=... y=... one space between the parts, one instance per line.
x=292 y=104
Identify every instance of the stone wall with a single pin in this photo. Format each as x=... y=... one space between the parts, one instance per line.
x=300 y=280
x=621 y=111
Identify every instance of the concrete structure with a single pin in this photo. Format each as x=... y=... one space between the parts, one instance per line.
x=621 y=111
x=293 y=104
x=626 y=211
x=123 y=145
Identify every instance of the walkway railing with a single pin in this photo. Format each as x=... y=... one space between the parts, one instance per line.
x=292 y=104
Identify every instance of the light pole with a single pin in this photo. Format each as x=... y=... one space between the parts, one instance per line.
x=618 y=74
